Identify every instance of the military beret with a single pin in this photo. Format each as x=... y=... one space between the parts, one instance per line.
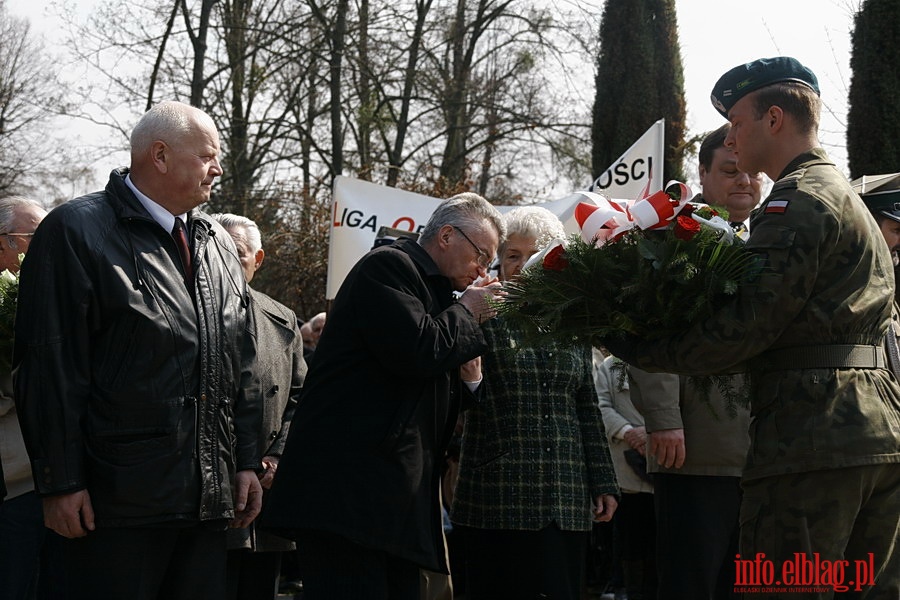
x=881 y=193
x=749 y=77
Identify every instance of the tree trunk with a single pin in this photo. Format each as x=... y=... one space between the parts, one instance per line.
x=337 y=56
x=366 y=97
x=154 y=75
x=395 y=154
x=240 y=172
x=198 y=42
x=453 y=163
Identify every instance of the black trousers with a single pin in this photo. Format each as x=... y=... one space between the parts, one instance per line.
x=697 y=533
x=636 y=520
x=335 y=568
x=30 y=554
x=252 y=575
x=183 y=563
x=524 y=565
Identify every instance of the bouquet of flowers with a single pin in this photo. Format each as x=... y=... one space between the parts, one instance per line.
x=649 y=269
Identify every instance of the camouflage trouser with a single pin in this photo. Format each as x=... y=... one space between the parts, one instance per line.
x=822 y=534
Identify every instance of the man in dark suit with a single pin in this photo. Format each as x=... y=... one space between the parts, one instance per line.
x=358 y=483
x=254 y=555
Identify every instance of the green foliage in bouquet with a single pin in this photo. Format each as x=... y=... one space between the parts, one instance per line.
x=9 y=293
x=651 y=284
x=648 y=283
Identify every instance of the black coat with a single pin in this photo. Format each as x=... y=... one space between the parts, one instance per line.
x=277 y=379
x=127 y=380
x=363 y=458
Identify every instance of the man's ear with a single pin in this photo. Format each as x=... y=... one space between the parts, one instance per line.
x=444 y=234
x=775 y=118
x=259 y=257
x=160 y=156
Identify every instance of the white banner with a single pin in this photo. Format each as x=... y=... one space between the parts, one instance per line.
x=639 y=172
x=361 y=208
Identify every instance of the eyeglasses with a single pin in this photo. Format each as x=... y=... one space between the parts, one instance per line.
x=16 y=233
x=484 y=261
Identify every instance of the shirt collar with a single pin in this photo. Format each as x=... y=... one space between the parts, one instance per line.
x=159 y=214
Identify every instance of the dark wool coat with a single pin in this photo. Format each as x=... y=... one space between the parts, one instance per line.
x=364 y=454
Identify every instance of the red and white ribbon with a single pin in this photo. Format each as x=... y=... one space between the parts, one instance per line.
x=605 y=220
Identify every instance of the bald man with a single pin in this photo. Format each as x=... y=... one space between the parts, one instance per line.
x=133 y=309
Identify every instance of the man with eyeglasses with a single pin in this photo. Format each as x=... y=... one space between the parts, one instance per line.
x=19 y=217
x=132 y=386
x=358 y=484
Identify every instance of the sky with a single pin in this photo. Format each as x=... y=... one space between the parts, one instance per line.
x=718 y=35
x=715 y=35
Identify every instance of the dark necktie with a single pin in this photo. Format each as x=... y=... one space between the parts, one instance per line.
x=184 y=250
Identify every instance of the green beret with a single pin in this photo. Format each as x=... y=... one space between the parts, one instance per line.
x=881 y=193
x=743 y=79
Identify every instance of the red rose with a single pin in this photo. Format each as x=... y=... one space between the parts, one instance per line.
x=555 y=260
x=686 y=228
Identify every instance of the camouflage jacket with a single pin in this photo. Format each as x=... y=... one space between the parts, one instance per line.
x=827 y=279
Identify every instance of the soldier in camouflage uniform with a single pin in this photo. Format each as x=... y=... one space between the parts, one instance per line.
x=697 y=442
x=822 y=476
x=881 y=194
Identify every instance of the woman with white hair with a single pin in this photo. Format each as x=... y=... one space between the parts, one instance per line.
x=535 y=468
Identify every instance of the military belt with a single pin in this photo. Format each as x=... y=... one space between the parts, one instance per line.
x=826 y=356
x=893 y=352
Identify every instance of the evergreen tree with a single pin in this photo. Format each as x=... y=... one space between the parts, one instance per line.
x=873 y=120
x=639 y=80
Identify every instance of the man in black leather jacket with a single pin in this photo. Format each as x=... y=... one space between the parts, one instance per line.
x=129 y=357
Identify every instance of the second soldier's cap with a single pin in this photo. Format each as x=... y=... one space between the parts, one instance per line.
x=881 y=193
x=749 y=77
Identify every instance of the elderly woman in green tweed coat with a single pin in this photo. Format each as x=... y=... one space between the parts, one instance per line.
x=535 y=468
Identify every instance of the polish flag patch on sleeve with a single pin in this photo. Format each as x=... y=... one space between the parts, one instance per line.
x=777 y=207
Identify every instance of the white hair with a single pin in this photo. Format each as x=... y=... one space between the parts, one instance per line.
x=533 y=221
x=243 y=225
x=8 y=207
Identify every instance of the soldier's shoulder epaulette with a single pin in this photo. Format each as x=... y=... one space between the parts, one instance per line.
x=779 y=198
x=788 y=182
